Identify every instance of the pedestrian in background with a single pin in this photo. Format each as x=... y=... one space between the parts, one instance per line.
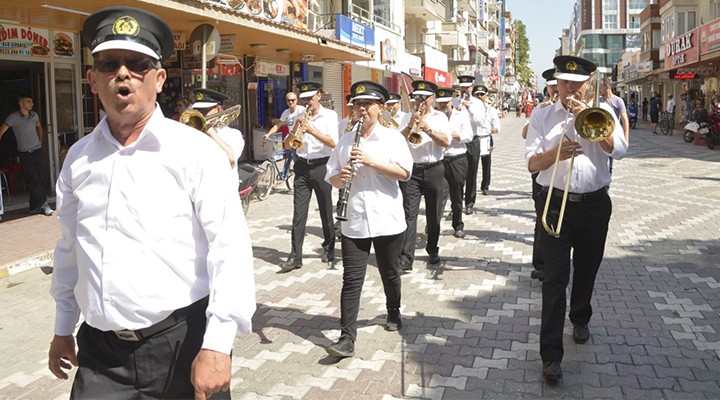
x=581 y=242
x=374 y=210
x=155 y=251
x=655 y=105
x=208 y=103
x=645 y=105
x=28 y=131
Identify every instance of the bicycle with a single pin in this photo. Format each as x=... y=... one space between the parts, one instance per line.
x=272 y=174
x=667 y=123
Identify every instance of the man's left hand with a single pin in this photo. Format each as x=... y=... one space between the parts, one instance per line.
x=211 y=371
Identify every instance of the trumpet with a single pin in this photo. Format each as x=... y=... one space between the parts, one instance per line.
x=298 y=132
x=414 y=137
x=345 y=191
x=195 y=119
x=593 y=124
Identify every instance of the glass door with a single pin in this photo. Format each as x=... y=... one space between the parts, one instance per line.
x=65 y=128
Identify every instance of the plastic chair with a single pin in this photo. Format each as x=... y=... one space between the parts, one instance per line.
x=4 y=182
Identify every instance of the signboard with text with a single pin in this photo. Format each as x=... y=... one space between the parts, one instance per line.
x=441 y=78
x=24 y=41
x=682 y=50
x=710 y=37
x=353 y=32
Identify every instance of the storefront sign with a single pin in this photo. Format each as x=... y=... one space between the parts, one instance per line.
x=710 y=36
x=24 y=41
x=682 y=75
x=682 y=50
x=353 y=32
x=227 y=43
x=264 y=68
x=414 y=71
x=388 y=52
x=180 y=40
x=441 y=78
x=63 y=45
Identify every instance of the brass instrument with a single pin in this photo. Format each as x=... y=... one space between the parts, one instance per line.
x=385 y=119
x=345 y=191
x=298 y=132
x=350 y=125
x=414 y=137
x=593 y=124
x=195 y=119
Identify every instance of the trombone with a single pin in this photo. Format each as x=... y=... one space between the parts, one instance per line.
x=195 y=119
x=593 y=124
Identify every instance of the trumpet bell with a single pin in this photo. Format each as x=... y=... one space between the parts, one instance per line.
x=594 y=124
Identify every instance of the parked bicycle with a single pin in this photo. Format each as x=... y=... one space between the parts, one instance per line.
x=272 y=174
x=667 y=123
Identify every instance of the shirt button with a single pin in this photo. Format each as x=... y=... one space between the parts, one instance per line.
x=107 y=298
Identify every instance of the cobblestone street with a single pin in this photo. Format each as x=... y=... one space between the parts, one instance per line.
x=470 y=326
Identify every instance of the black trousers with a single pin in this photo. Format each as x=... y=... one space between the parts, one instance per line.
x=30 y=161
x=310 y=178
x=537 y=259
x=157 y=367
x=425 y=183
x=583 y=232
x=473 y=157
x=486 y=162
x=355 y=257
x=456 y=169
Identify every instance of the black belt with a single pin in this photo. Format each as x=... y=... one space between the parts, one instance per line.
x=455 y=157
x=173 y=319
x=29 y=151
x=427 y=165
x=314 y=160
x=578 y=197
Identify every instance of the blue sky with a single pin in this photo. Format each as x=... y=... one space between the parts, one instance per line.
x=545 y=20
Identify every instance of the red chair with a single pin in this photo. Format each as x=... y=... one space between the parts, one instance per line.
x=12 y=170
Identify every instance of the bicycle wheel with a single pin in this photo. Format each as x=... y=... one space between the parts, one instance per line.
x=290 y=179
x=664 y=126
x=266 y=182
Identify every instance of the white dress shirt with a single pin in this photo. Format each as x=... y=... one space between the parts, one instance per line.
x=398 y=117
x=478 y=113
x=233 y=138
x=460 y=123
x=590 y=170
x=428 y=151
x=344 y=129
x=325 y=121
x=291 y=117
x=375 y=203
x=148 y=229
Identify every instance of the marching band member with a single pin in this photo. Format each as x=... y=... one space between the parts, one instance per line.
x=393 y=107
x=587 y=213
x=427 y=180
x=209 y=102
x=319 y=133
x=455 y=160
x=346 y=124
x=489 y=126
x=375 y=207
x=477 y=112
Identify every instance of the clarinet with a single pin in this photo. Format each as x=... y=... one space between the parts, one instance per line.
x=345 y=191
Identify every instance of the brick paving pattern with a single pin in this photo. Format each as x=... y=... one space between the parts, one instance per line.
x=470 y=325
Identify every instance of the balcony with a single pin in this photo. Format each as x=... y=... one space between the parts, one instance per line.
x=456 y=40
x=467 y=5
x=425 y=9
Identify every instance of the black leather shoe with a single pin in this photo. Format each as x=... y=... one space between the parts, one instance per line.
x=459 y=234
x=469 y=211
x=394 y=322
x=404 y=265
x=434 y=259
x=539 y=275
x=449 y=216
x=581 y=334
x=552 y=370
x=290 y=264
x=326 y=256
x=484 y=192
x=342 y=348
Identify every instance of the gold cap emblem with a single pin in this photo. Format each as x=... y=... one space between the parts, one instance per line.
x=198 y=96
x=571 y=66
x=126 y=25
x=304 y=88
x=360 y=89
x=421 y=86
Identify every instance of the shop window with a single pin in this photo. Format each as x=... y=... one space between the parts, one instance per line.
x=715 y=9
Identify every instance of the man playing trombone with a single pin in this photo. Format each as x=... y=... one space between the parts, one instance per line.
x=559 y=147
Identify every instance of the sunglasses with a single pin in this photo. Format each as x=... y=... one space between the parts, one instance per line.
x=138 y=66
x=291 y=100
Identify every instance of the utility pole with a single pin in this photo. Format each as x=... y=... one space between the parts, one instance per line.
x=502 y=52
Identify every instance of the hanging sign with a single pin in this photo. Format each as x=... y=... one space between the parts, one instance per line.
x=24 y=41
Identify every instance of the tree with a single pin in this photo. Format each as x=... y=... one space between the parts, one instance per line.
x=522 y=55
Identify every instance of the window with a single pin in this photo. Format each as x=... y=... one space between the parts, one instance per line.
x=615 y=41
x=667 y=28
x=715 y=9
x=638 y=5
x=593 y=42
x=609 y=6
x=610 y=21
x=685 y=22
x=382 y=12
x=634 y=22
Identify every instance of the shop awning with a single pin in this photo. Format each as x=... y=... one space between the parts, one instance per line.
x=266 y=36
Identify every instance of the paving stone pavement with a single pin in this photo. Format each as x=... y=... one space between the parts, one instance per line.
x=471 y=326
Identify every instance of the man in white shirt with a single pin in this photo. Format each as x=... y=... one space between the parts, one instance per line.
x=477 y=111
x=486 y=128
x=430 y=126
x=393 y=107
x=670 y=108
x=455 y=160
x=317 y=135
x=587 y=212
x=155 y=251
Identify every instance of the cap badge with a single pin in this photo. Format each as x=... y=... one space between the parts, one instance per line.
x=304 y=88
x=571 y=66
x=126 y=25
x=421 y=86
x=360 y=89
x=198 y=96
